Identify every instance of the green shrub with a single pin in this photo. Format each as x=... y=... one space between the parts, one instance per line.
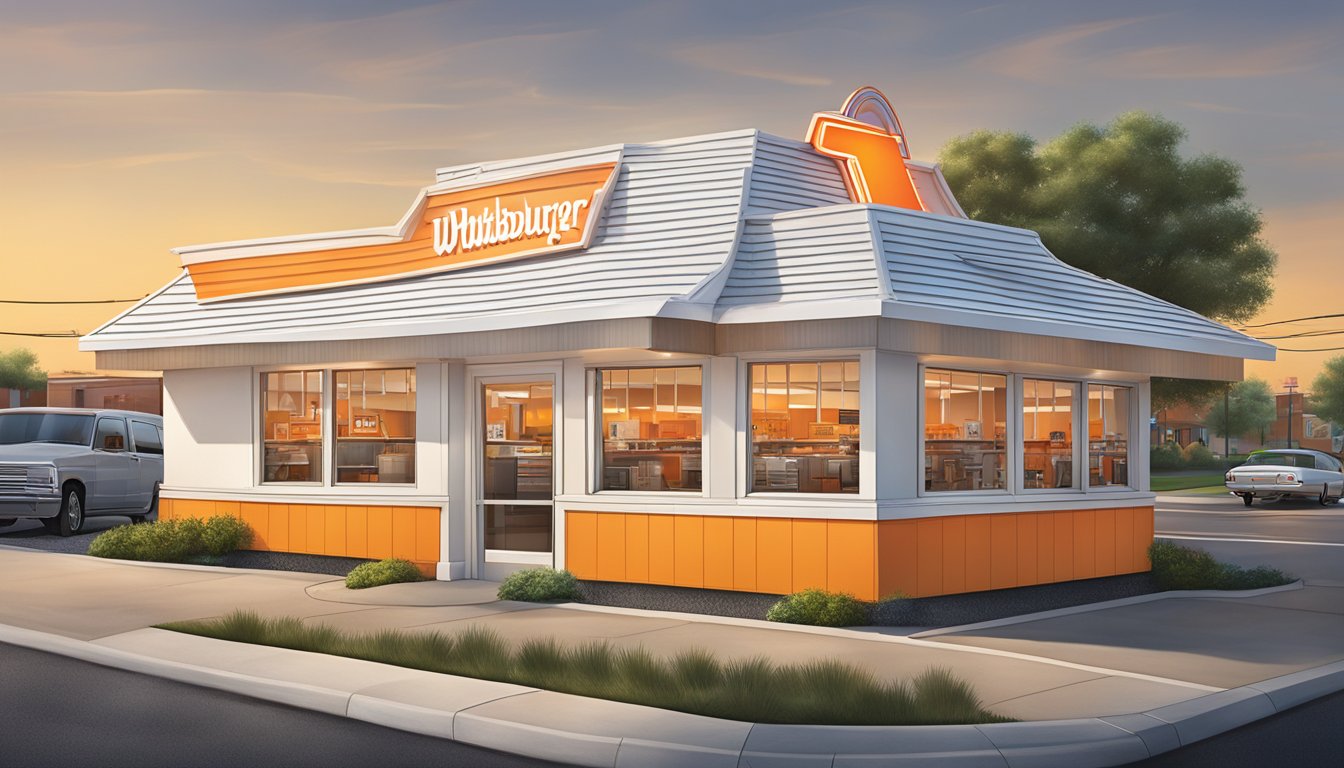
x=1178 y=567
x=824 y=692
x=819 y=608
x=1197 y=456
x=539 y=585
x=173 y=541
x=393 y=570
x=1167 y=456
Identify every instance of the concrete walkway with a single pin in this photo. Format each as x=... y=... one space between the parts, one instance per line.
x=1123 y=659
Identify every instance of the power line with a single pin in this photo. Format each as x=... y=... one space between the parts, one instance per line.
x=83 y=301
x=1300 y=335
x=1294 y=320
x=57 y=335
x=1324 y=349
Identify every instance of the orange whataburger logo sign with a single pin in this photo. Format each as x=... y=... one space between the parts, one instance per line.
x=866 y=140
x=454 y=229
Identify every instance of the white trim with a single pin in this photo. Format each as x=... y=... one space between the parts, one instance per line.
x=519 y=557
x=285 y=495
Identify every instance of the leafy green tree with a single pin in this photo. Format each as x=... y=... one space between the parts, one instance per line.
x=1121 y=201
x=1248 y=408
x=18 y=370
x=1327 y=390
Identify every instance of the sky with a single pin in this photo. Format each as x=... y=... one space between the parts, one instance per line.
x=128 y=128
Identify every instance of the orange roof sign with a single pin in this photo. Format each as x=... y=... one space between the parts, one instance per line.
x=866 y=141
x=463 y=227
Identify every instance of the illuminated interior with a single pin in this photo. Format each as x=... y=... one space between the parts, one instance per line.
x=292 y=426
x=375 y=426
x=1047 y=434
x=651 y=429
x=1108 y=414
x=805 y=427
x=519 y=475
x=965 y=431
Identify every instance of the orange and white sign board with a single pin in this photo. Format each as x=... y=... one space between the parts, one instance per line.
x=464 y=227
x=866 y=140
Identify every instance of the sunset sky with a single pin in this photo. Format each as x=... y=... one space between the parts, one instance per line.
x=130 y=128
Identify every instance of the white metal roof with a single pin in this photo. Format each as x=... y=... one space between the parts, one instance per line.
x=732 y=228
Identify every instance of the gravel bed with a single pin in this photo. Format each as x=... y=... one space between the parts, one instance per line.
x=943 y=611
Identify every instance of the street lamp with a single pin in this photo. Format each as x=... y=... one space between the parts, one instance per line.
x=1290 y=384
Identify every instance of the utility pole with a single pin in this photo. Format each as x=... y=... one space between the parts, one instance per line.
x=1227 y=431
x=1290 y=384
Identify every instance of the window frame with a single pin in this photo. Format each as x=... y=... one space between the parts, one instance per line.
x=1012 y=428
x=158 y=432
x=125 y=434
x=415 y=411
x=597 y=435
x=1130 y=440
x=1077 y=450
x=866 y=358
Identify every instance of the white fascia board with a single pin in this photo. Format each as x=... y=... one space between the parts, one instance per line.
x=790 y=311
x=503 y=321
x=1250 y=350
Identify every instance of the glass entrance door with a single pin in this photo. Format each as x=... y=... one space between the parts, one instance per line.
x=517 y=470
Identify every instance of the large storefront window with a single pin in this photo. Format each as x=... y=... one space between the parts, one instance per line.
x=1047 y=434
x=375 y=426
x=291 y=426
x=651 y=429
x=805 y=427
x=965 y=431
x=1108 y=413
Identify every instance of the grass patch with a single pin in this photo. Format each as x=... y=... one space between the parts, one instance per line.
x=392 y=570
x=1159 y=483
x=819 y=608
x=173 y=541
x=539 y=585
x=753 y=690
x=1178 y=567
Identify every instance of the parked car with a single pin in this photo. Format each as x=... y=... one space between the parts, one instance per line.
x=1272 y=475
x=60 y=465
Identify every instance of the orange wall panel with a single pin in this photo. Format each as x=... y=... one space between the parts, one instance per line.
x=688 y=551
x=1063 y=524
x=317 y=528
x=1045 y=548
x=1084 y=545
x=978 y=553
x=298 y=528
x=1144 y=536
x=660 y=549
x=774 y=555
x=357 y=531
x=1003 y=551
x=809 y=554
x=1027 y=559
x=334 y=530
x=403 y=533
x=1105 y=541
x=257 y=518
x=581 y=544
x=380 y=532
x=929 y=568
x=427 y=533
x=611 y=548
x=954 y=554
x=744 y=553
x=851 y=558
x=637 y=548
x=278 y=518
x=718 y=545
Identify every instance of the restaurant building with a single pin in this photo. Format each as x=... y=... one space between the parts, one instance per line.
x=732 y=361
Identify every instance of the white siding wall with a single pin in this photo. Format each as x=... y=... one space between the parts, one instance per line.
x=209 y=422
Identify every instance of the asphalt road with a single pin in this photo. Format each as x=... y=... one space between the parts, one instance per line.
x=68 y=713
x=1300 y=537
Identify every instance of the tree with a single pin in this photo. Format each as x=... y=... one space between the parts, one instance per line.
x=18 y=370
x=1327 y=390
x=1250 y=407
x=1121 y=202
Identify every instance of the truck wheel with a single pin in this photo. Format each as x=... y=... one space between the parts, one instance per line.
x=1247 y=498
x=71 y=518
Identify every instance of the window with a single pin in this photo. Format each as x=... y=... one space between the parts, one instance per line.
x=147 y=438
x=110 y=435
x=291 y=404
x=67 y=428
x=1047 y=434
x=375 y=426
x=651 y=429
x=965 y=431
x=1108 y=416
x=805 y=427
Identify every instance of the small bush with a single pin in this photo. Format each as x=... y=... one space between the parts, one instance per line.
x=173 y=541
x=539 y=585
x=1166 y=457
x=823 y=692
x=1177 y=567
x=393 y=570
x=819 y=608
x=1197 y=456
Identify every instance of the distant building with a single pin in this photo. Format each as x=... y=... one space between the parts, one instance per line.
x=22 y=398
x=127 y=393
x=1180 y=424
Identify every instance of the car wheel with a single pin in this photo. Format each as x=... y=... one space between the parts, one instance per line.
x=1325 y=496
x=5 y=522
x=151 y=509
x=1247 y=498
x=71 y=518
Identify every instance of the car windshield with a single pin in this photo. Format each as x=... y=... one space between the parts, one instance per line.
x=1279 y=460
x=71 y=428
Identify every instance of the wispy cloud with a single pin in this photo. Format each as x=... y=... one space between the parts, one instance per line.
x=1053 y=54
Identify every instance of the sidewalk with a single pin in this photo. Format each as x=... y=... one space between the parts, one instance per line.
x=1140 y=656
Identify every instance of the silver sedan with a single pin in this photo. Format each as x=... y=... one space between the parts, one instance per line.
x=1288 y=473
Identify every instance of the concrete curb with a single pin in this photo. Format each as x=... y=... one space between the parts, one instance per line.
x=595 y=732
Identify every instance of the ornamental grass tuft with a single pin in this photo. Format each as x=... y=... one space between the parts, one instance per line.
x=392 y=570
x=824 y=692
x=819 y=608
x=539 y=585
x=1178 y=567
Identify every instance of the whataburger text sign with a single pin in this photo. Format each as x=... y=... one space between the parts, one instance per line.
x=454 y=229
